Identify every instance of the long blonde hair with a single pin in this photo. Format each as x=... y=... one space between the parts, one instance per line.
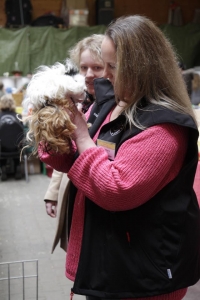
x=146 y=67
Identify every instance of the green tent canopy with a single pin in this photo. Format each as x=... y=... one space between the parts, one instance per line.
x=31 y=47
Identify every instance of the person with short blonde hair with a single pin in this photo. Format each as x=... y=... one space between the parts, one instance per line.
x=7 y=103
x=2 y=91
x=12 y=127
x=86 y=54
x=91 y=43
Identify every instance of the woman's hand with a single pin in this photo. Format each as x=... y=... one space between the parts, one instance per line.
x=81 y=136
x=51 y=208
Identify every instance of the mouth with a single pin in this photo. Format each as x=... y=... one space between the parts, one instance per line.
x=89 y=84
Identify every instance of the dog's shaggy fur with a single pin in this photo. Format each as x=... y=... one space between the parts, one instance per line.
x=52 y=91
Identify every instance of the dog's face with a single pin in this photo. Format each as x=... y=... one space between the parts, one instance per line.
x=49 y=98
x=50 y=84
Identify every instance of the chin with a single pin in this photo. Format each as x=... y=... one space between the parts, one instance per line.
x=91 y=91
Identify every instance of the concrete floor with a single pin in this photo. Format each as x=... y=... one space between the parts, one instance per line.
x=26 y=233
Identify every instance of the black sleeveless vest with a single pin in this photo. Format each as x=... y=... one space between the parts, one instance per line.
x=150 y=250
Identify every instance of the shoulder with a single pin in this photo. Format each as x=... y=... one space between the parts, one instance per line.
x=163 y=138
x=10 y=118
x=166 y=133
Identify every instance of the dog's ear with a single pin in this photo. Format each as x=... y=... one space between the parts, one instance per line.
x=71 y=68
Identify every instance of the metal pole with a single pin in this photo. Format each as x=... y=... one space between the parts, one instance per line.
x=21 y=12
x=23 y=280
x=37 y=280
x=26 y=168
x=8 y=281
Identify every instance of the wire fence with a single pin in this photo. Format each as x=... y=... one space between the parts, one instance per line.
x=15 y=280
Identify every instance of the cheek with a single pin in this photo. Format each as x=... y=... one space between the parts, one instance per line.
x=83 y=72
x=113 y=72
x=99 y=73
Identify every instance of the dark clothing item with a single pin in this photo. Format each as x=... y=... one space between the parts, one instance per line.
x=88 y=101
x=145 y=251
x=11 y=131
x=11 y=138
x=18 y=13
x=95 y=298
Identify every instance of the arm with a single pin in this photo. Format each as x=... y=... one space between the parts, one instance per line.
x=143 y=165
x=59 y=162
x=54 y=185
x=51 y=195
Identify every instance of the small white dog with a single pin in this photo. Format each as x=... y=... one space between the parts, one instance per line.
x=50 y=93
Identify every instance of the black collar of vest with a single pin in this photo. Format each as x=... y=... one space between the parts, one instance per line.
x=103 y=90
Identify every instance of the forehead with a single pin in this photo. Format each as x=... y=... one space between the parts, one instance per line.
x=108 y=49
x=88 y=57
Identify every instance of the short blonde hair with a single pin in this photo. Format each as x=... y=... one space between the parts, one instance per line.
x=7 y=103
x=91 y=43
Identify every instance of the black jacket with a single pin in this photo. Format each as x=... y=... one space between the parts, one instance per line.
x=150 y=250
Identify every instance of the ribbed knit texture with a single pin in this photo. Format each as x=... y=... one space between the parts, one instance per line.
x=143 y=165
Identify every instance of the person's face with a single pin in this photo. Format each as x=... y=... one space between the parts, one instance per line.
x=108 y=54
x=91 y=68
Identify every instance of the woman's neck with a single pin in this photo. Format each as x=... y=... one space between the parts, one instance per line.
x=117 y=110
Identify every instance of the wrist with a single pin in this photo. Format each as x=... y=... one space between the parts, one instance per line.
x=84 y=143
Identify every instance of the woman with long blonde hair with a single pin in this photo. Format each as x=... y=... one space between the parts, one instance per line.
x=134 y=217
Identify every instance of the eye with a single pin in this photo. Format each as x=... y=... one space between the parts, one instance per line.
x=112 y=66
x=98 y=68
x=83 y=68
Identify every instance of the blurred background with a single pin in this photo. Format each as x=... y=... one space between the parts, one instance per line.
x=41 y=32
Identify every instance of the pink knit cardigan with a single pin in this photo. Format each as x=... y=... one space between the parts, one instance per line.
x=143 y=165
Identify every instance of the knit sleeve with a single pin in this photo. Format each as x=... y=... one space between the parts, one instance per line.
x=59 y=162
x=143 y=165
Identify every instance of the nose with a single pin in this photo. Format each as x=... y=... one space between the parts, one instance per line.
x=89 y=73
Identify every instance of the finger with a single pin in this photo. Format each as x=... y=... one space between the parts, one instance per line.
x=49 y=209
x=55 y=211
x=52 y=215
x=79 y=107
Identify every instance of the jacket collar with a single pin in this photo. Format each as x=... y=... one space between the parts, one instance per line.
x=103 y=90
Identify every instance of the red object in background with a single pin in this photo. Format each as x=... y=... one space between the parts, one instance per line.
x=197 y=183
x=49 y=170
x=17 y=73
x=173 y=5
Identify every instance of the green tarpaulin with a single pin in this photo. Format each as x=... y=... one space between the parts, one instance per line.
x=34 y=46
x=186 y=42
